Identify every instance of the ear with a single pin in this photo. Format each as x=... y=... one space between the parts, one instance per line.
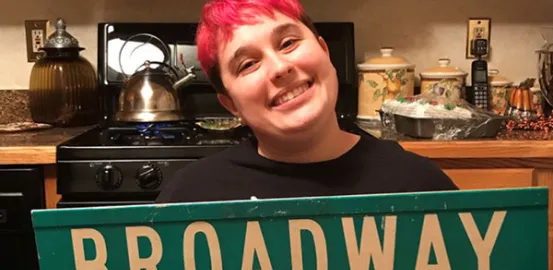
x=227 y=102
x=323 y=44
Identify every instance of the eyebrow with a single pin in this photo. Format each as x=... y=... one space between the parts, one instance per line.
x=277 y=31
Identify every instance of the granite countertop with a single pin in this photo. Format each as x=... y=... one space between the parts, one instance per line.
x=35 y=147
x=39 y=147
x=518 y=144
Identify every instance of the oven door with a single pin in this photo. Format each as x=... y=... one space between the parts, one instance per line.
x=64 y=203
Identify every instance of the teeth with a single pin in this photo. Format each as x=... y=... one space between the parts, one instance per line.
x=291 y=94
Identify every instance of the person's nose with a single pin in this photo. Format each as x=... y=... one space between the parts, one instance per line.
x=281 y=68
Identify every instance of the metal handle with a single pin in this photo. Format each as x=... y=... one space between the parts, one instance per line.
x=165 y=47
x=172 y=69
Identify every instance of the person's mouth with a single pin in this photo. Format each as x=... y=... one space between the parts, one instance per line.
x=291 y=94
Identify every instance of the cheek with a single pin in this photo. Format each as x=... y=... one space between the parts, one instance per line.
x=249 y=92
x=311 y=60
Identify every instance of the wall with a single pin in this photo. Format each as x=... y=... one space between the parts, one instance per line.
x=421 y=30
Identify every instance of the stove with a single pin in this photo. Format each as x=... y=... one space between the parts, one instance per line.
x=119 y=163
x=130 y=164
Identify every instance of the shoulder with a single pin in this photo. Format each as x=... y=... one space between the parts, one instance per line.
x=415 y=172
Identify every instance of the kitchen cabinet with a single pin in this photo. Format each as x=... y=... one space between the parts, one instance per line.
x=21 y=190
x=508 y=178
x=494 y=164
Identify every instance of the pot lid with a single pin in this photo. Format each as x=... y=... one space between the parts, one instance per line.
x=443 y=70
x=61 y=39
x=496 y=79
x=385 y=60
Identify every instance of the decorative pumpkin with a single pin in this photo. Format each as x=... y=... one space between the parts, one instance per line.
x=521 y=100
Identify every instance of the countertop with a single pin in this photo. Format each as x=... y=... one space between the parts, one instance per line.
x=35 y=147
x=39 y=147
x=507 y=144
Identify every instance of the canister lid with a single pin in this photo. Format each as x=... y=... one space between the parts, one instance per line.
x=443 y=70
x=61 y=39
x=497 y=80
x=386 y=60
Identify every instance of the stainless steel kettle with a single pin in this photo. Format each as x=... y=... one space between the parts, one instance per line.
x=150 y=95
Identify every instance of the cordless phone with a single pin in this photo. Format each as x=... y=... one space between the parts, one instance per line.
x=479 y=75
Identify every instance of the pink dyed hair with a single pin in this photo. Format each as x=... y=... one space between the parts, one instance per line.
x=220 y=17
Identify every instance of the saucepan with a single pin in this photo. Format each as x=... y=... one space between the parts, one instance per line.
x=219 y=124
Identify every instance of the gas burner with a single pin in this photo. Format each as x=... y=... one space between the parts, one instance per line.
x=152 y=128
x=150 y=134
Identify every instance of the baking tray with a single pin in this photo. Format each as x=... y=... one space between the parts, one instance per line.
x=426 y=128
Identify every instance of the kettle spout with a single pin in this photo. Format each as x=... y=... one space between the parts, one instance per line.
x=186 y=79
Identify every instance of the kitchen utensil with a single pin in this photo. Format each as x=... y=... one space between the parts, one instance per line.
x=545 y=65
x=499 y=92
x=219 y=124
x=444 y=80
x=381 y=78
x=63 y=85
x=150 y=94
x=432 y=128
x=22 y=126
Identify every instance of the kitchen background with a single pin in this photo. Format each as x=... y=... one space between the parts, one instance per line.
x=422 y=30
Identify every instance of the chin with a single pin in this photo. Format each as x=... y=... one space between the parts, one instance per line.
x=304 y=120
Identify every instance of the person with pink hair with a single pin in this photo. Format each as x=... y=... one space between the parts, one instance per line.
x=271 y=69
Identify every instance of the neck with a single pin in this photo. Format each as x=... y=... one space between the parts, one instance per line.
x=327 y=145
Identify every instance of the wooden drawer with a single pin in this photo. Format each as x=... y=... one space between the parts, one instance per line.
x=491 y=178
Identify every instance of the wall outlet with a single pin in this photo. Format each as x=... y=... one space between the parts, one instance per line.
x=477 y=28
x=36 y=33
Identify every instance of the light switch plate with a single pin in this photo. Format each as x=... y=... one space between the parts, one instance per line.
x=477 y=28
x=36 y=33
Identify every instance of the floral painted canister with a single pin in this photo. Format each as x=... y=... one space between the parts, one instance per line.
x=380 y=78
x=500 y=87
x=444 y=80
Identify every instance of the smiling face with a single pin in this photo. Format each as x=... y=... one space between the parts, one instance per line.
x=278 y=78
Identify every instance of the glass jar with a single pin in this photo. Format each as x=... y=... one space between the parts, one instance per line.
x=63 y=85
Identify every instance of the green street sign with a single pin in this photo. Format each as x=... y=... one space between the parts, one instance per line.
x=480 y=229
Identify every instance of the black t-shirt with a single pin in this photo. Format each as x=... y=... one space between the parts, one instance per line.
x=240 y=173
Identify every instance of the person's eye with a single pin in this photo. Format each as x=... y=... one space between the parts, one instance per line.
x=245 y=65
x=288 y=43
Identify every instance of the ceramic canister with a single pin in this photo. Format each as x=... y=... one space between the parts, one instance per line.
x=537 y=99
x=500 y=87
x=381 y=78
x=444 y=81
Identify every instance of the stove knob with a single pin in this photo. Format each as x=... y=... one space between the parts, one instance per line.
x=109 y=177
x=149 y=177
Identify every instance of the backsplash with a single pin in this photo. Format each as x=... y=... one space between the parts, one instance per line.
x=422 y=31
x=15 y=106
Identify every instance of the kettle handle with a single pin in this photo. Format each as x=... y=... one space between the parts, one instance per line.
x=165 y=47
x=171 y=68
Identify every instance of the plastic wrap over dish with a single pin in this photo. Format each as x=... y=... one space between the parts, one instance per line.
x=435 y=117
